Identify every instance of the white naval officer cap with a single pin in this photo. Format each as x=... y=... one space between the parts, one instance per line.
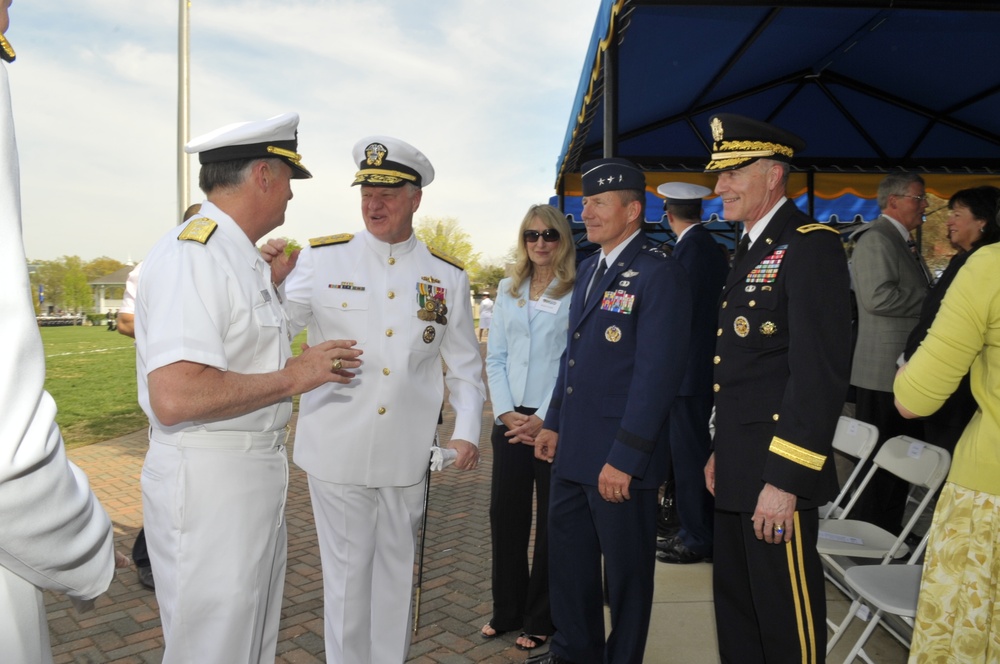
x=275 y=137
x=384 y=161
x=682 y=193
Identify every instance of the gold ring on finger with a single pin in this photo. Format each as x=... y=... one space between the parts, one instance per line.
x=338 y=365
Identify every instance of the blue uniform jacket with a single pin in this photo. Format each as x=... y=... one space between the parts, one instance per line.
x=705 y=262
x=625 y=357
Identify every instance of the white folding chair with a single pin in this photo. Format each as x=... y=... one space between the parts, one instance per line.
x=857 y=440
x=888 y=589
x=841 y=539
x=919 y=463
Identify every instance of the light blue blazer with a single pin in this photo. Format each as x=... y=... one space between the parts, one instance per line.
x=523 y=351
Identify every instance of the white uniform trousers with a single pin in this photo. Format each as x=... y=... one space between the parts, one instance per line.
x=24 y=630
x=367 y=542
x=213 y=509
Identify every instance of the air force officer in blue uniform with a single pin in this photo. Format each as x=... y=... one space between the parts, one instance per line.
x=606 y=427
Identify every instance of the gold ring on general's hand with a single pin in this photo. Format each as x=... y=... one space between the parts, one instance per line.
x=338 y=365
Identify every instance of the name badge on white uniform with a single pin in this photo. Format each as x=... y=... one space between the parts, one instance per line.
x=548 y=305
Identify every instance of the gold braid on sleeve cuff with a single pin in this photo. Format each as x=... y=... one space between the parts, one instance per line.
x=796 y=454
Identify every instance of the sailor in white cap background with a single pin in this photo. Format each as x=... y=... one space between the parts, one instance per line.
x=216 y=378
x=365 y=446
x=706 y=265
x=55 y=534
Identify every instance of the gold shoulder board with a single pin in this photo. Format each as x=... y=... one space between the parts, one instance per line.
x=198 y=230
x=327 y=240
x=446 y=258
x=809 y=228
x=6 y=50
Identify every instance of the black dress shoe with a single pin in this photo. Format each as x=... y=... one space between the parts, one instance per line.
x=668 y=543
x=146 y=577
x=547 y=658
x=681 y=555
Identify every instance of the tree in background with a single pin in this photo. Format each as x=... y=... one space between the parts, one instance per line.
x=934 y=243
x=447 y=236
x=100 y=267
x=49 y=275
x=487 y=277
x=77 y=295
x=66 y=282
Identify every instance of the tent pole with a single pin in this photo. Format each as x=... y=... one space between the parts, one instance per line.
x=611 y=98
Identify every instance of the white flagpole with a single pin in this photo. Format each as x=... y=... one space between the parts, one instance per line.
x=183 y=110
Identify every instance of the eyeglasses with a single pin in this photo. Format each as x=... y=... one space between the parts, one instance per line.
x=549 y=235
x=922 y=199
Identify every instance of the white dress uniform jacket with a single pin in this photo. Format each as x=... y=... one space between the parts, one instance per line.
x=377 y=431
x=55 y=534
x=214 y=491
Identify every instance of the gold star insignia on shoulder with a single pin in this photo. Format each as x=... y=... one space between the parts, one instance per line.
x=198 y=230
x=328 y=240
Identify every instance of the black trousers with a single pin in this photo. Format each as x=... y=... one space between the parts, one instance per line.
x=690 y=447
x=770 y=599
x=520 y=593
x=139 y=554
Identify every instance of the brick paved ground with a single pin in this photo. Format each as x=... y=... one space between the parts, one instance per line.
x=125 y=628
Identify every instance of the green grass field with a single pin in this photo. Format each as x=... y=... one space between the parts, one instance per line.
x=91 y=374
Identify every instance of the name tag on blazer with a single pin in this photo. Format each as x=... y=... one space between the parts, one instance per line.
x=548 y=305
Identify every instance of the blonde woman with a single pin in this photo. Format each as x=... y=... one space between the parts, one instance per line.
x=527 y=338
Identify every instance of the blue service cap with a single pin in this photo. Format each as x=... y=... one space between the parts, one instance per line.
x=611 y=174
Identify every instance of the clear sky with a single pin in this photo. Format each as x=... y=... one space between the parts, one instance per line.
x=482 y=87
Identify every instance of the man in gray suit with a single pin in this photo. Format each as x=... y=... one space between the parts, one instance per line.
x=890 y=282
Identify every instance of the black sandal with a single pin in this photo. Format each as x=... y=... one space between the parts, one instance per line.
x=538 y=640
x=496 y=632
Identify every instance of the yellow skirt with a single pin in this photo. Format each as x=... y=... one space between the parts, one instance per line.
x=958 y=613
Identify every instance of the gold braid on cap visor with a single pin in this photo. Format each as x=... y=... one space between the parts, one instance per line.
x=750 y=149
x=293 y=157
x=734 y=152
x=380 y=175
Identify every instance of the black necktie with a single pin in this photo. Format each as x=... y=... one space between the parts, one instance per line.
x=741 y=250
x=602 y=267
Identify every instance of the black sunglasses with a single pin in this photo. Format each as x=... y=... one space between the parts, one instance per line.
x=549 y=235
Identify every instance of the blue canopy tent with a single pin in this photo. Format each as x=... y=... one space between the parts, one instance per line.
x=871 y=86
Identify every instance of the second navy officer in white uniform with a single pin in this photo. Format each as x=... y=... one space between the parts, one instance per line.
x=216 y=379
x=366 y=445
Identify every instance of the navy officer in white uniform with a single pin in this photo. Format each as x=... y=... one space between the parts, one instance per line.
x=606 y=426
x=55 y=534
x=366 y=445
x=216 y=378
